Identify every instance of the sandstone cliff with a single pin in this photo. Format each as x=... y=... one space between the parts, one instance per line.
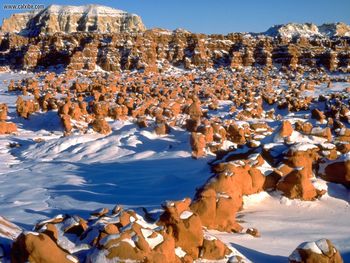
x=68 y=19
x=157 y=50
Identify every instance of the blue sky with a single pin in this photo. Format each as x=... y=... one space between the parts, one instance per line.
x=219 y=16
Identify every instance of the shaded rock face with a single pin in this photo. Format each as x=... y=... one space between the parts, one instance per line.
x=68 y=19
x=320 y=251
x=337 y=171
x=38 y=247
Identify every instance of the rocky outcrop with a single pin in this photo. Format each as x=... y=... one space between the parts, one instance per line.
x=296 y=183
x=218 y=201
x=68 y=19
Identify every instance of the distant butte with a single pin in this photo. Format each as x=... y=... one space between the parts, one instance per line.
x=69 y=19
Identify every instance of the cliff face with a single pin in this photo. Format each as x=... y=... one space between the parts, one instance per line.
x=68 y=19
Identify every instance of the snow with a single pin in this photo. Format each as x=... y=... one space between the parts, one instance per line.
x=295 y=256
x=322 y=245
x=129 y=241
x=71 y=258
x=186 y=215
x=298 y=137
x=328 y=146
x=293 y=29
x=302 y=147
x=84 y=172
x=311 y=246
x=309 y=30
x=146 y=232
x=8 y=230
x=85 y=9
x=209 y=237
x=179 y=252
x=155 y=241
x=31 y=233
x=285 y=223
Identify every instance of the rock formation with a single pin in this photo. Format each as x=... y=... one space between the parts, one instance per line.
x=126 y=45
x=321 y=250
x=68 y=19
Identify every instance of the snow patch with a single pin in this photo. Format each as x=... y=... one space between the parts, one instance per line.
x=185 y=215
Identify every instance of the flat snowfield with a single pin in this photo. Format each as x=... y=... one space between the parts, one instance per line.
x=48 y=174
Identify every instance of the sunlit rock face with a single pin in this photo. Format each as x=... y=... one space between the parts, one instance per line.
x=68 y=19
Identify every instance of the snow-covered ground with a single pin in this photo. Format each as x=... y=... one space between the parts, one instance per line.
x=50 y=174
x=80 y=173
x=285 y=223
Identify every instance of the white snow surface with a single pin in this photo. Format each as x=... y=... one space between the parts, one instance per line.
x=284 y=224
x=186 y=215
x=83 y=172
x=85 y=9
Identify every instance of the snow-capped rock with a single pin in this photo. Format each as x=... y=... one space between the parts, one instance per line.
x=68 y=19
x=291 y=30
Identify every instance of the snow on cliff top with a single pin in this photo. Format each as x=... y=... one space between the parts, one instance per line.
x=291 y=30
x=85 y=9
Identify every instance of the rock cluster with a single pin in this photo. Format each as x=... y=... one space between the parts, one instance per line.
x=121 y=235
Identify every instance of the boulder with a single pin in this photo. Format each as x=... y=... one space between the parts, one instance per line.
x=38 y=247
x=198 y=144
x=7 y=127
x=320 y=251
x=336 y=171
x=100 y=125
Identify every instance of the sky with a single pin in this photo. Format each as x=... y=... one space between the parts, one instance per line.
x=218 y=16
